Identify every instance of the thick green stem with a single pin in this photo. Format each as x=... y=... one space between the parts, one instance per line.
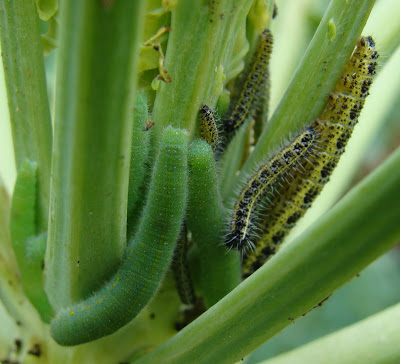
x=96 y=80
x=300 y=276
x=199 y=49
x=22 y=53
x=318 y=73
x=373 y=340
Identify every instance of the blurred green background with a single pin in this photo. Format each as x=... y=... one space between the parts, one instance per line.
x=379 y=285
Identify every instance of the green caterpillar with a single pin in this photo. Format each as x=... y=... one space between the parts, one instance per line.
x=147 y=257
x=29 y=248
x=333 y=129
x=219 y=270
x=139 y=151
x=209 y=127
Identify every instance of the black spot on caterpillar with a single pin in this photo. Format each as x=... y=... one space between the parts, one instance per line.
x=252 y=87
x=209 y=127
x=265 y=180
x=333 y=129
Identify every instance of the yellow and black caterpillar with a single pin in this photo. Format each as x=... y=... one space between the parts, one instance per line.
x=267 y=177
x=290 y=197
x=209 y=127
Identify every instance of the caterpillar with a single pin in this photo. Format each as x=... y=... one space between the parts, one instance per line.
x=139 y=151
x=333 y=129
x=147 y=257
x=209 y=127
x=29 y=246
x=266 y=179
x=181 y=271
x=253 y=82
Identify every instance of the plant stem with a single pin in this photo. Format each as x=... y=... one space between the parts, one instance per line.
x=27 y=92
x=210 y=29
x=300 y=276
x=96 y=81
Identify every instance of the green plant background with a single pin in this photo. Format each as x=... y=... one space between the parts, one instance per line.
x=296 y=23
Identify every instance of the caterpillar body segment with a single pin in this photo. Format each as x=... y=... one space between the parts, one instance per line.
x=268 y=178
x=219 y=269
x=209 y=127
x=252 y=89
x=29 y=246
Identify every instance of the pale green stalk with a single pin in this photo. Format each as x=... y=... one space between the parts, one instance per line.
x=95 y=91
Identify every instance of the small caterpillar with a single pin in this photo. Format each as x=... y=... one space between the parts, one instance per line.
x=333 y=128
x=209 y=127
x=265 y=180
x=181 y=271
x=252 y=88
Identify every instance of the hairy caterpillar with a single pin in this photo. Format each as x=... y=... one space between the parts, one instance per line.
x=252 y=87
x=209 y=127
x=333 y=129
x=147 y=257
x=266 y=179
